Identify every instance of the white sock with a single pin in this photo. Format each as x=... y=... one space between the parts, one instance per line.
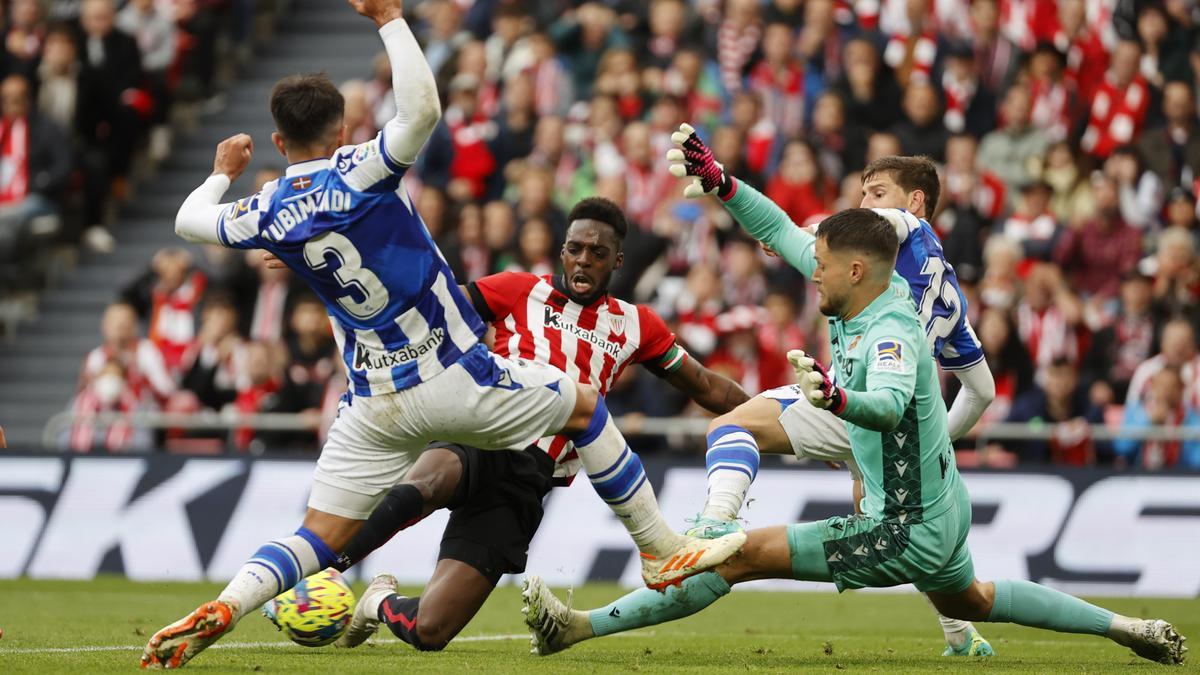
x=956 y=631
x=732 y=462
x=1121 y=630
x=274 y=568
x=617 y=475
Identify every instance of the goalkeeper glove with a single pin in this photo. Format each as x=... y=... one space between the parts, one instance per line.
x=691 y=157
x=815 y=382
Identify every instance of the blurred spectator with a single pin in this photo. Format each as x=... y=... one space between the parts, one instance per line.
x=1181 y=211
x=1165 y=49
x=787 y=90
x=840 y=147
x=23 y=41
x=1007 y=359
x=970 y=103
x=262 y=295
x=922 y=131
x=737 y=39
x=1087 y=55
x=1073 y=201
x=1140 y=191
x=156 y=34
x=697 y=309
x=1177 y=351
x=1051 y=93
x=359 y=122
x=109 y=78
x=1119 y=104
x=58 y=77
x=582 y=36
x=1172 y=151
x=799 y=186
x=1032 y=224
x=1014 y=151
x=996 y=55
x=1096 y=254
x=872 y=97
x=1120 y=347
x=146 y=375
x=258 y=381
x=1061 y=403
x=1050 y=319
x=1001 y=284
x=34 y=167
x=216 y=357
x=1176 y=277
x=1162 y=407
x=108 y=391
x=742 y=356
x=166 y=297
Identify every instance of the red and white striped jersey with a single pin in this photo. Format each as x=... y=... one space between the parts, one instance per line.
x=592 y=344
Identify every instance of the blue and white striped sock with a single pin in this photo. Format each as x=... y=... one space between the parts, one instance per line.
x=617 y=475
x=732 y=462
x=276 y=567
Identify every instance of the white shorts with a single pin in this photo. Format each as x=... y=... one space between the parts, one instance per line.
x=484 y=400
x=815 y=433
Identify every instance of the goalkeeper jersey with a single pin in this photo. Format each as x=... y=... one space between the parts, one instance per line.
x=896 y=420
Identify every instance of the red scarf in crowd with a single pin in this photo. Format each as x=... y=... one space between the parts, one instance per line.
x=14 y=160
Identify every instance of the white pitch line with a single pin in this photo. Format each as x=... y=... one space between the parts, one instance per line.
x=230 y=645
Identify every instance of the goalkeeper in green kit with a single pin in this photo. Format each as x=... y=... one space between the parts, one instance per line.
x=915 y=512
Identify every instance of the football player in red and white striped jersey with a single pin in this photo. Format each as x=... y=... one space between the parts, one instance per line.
x=570 y=322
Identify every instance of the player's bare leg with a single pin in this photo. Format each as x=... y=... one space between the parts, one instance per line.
x=430 y=484
x=1029 y=604
x=276 y=567
x=453 y=596
x=617 y=475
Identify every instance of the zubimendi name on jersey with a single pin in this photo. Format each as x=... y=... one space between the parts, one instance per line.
x=303 y=207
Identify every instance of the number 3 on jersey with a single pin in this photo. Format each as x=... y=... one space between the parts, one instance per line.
x=939 y=321
x=350 y=274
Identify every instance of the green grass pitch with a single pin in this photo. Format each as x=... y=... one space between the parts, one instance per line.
x=101 y=626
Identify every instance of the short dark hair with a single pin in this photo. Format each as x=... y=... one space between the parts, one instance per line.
x=861 y=230
x=306 y=108
x=910 y=173
x=601 y=209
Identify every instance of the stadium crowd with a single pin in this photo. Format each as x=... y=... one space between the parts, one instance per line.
x=87 y=88
x=1066 y=133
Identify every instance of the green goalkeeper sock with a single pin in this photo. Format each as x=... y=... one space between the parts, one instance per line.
x=1030 y=604
x=645 y=607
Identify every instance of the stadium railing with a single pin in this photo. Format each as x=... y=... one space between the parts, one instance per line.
x=59 y=425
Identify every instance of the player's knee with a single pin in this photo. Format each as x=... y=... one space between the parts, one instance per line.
x=586 y=399
x=433 y=634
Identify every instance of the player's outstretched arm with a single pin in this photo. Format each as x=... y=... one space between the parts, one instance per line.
x=199 y=218
x=977 y=393
x=417 y=106
x=715 y=393
x=761 y=218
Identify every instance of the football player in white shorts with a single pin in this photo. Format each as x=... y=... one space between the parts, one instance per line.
x=341 y=220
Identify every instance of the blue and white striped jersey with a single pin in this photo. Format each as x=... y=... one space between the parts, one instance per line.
x=347 y=227
x=940 y=302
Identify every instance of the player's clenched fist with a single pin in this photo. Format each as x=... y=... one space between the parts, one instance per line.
x=382 y=11
x=691 y=157
x=815 y=382
x=233 y=155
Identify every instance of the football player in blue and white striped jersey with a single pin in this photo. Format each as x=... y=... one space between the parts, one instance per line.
x=341 y=219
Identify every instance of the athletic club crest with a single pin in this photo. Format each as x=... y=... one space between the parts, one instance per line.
x=617 y=323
